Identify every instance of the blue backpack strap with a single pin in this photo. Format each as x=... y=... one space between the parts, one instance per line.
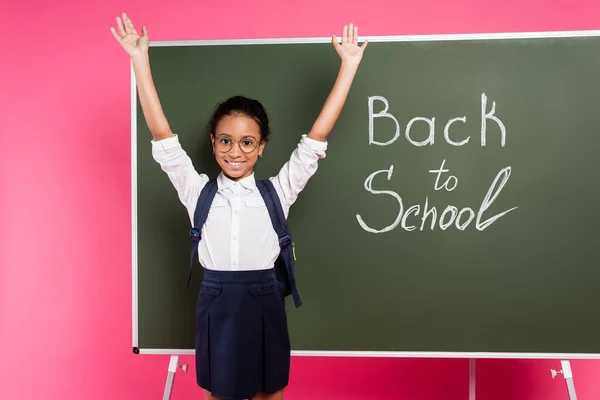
x=200 y=214
x=286 y=272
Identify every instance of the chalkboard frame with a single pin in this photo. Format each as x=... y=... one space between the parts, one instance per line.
x=270 y=41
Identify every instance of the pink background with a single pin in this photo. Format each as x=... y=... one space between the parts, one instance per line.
x=65 y=277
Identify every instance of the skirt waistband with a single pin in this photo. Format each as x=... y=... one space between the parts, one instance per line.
x=253 y=276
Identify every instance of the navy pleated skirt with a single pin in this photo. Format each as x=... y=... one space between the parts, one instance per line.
x=242 y=340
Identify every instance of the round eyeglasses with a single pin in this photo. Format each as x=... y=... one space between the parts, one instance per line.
x=224 y=144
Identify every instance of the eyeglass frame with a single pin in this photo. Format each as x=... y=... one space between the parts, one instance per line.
x=235 y=141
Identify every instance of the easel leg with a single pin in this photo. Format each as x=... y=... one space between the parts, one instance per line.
x=170 y=377
x=471 y=379
x=568 y=374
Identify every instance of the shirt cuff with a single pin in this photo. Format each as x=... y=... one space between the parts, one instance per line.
x=314 y=145
x=165 y=144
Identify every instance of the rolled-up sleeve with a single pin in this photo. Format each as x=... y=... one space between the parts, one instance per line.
x=178 y=166
x=295 y=173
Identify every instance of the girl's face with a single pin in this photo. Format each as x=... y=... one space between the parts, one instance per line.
x=237 y=145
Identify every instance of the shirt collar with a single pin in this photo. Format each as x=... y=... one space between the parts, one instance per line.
x=224 y=183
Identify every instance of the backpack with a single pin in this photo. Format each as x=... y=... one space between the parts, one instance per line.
x=284 y=264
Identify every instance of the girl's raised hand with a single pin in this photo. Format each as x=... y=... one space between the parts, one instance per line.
x=349 y=50
x=128 y=37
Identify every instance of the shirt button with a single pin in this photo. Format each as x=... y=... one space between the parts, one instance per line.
x=235 y=238
x=234 y=263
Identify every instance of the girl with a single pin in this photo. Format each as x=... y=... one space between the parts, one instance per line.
x=242 y=343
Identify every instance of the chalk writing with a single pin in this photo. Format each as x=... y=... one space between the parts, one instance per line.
x=450 y=216
x=430 y=140
x=445 y=184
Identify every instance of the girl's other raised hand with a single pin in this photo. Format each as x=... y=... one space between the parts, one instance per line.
x=349 y=50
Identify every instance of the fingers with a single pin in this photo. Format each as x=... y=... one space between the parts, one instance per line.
x=115 y=34
x=120 y=25
x=334 y=41
x=350 y=34
x=129 y=28
x=144 y=31
x=132 y=27
x=126 y=24
x=125 y=27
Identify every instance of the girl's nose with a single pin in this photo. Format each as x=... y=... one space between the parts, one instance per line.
x=235 y=149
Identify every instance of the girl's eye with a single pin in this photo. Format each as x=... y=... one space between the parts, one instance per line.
x=225 y=141
x=248 y=142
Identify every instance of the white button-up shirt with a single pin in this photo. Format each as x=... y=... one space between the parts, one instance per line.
x=238 y=233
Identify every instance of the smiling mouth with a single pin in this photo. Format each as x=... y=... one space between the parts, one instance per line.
x=235 y=164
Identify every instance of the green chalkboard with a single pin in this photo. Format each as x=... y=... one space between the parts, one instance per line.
x=514 y=120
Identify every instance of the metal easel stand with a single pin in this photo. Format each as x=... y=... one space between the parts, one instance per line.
x=471 y=379
x=171 y=375
x=568 y=375
x=566 y=371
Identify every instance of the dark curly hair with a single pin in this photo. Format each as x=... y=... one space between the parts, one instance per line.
x=241 y=105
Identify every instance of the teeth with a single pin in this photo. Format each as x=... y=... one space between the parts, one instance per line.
x=235 y=164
